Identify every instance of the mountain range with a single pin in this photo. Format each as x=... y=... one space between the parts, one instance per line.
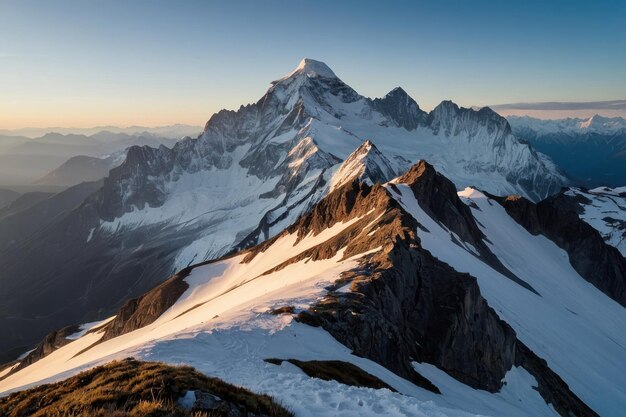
x=309 y=227
x=250 y=174
x=26 y=161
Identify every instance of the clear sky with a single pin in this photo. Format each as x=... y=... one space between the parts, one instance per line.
x=92 y=62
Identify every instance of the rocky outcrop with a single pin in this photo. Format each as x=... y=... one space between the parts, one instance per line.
x=437 y=196
x=49 y=344
x=406 y=305
x=342 y=372
x=130 y=185
x=556 y=218
x=401 y=108
x=142 y=311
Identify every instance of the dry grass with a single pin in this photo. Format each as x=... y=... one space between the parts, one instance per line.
x=130 y=388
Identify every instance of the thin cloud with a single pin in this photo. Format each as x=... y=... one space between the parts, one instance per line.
x=554 y=105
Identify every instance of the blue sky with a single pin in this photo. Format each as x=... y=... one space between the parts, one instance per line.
x=83 y=63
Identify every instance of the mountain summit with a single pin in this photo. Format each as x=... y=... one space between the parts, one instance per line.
x=312 y=68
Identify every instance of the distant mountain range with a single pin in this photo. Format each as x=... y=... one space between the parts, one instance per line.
x=26 y=161
x=592 y=151
x=173 y=131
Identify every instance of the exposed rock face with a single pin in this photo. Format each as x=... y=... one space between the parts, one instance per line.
x=551 y=387
x=421 y=310
x=403 y=296
x=209 y=403
x=438 y=198
x=436 y=195
x=49 y=344
x=142 y=162
x=604 y=209
x=401 y=108
x=452 y=119
x=405 y=305
x=142 y=311
x=557 y=219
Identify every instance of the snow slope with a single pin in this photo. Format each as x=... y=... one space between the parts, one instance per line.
x=577 y=329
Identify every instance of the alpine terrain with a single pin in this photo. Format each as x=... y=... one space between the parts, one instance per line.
x=327 y=254
x=404 y=297
x=248 y=176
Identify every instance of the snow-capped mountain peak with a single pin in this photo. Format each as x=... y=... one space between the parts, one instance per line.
x=401 y=108
x=308 y=68
x=367 y=164
x=312 y=68
x=454 y=120
x=600 y=123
